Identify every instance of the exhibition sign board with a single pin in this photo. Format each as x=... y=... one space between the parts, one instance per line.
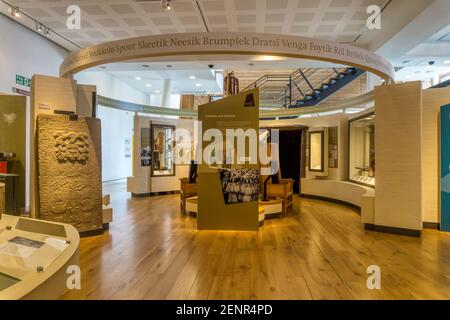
x=445 y=168
x=228 y=184
x=226 y=43
x=23 y=81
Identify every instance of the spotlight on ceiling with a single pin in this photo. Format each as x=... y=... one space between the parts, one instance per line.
x=192 y=77
x=447 y=62
x=47 y=32
x=137 y=78
x=39 y=27
x=166 y=4
x=15 y=12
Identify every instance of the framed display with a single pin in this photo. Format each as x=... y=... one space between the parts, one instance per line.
x=163 y=150
x=361 y=166
x=316 y=151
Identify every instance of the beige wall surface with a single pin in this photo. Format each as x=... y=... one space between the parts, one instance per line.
x=339 y=120
x=432 y=100
x=398 y=151
x=141 y=182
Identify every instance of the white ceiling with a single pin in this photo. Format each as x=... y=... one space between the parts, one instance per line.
x=107 y=20
x=179 y=81
x=413 y=32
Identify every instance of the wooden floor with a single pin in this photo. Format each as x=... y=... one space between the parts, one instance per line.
x=319 y=252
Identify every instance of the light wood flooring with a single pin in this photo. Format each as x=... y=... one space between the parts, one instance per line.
x=320 y=251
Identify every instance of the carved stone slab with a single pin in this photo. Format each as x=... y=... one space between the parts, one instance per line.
x=69 y=171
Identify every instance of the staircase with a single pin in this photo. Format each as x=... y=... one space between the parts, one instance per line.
x=304 y=87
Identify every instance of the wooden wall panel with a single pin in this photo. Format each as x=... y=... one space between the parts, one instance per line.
x=398 y=156
x=432 y=100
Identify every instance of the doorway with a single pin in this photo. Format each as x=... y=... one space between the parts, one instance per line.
x=290 y=149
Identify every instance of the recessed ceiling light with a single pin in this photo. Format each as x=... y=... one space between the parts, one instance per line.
x=148 y=85
x=198 y=84
x=157 y=91
x=192 y=77
x=447 y=62
x=137 y=78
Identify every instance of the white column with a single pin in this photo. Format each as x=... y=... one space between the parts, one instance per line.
x=165 y=93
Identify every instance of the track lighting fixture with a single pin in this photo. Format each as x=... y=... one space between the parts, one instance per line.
x=39 y=27
x=166 y=4
x=15 y=12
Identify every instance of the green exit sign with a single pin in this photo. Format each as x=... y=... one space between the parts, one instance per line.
x=23 y=81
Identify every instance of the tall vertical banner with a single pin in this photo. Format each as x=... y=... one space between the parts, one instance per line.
x=445 y=168
x=228 y=175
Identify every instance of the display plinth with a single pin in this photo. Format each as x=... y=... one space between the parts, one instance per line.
x=34 y=257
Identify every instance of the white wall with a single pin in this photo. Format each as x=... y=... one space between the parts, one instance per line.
x=111 y=87
x=24 y=52
x=117 y=125
x=339 y=120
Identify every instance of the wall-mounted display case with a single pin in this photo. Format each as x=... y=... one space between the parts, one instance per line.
x=163 y=150
x=362 y=150
x=316 y=151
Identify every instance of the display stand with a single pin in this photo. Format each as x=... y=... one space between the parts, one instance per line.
x=215 y=211
x=34 y=257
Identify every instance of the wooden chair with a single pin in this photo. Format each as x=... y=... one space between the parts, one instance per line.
x=187 y=190
x=283 y=190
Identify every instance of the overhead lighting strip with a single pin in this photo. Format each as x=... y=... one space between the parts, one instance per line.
x=41 y=28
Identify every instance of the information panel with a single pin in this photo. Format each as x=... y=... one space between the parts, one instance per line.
x=445 y=168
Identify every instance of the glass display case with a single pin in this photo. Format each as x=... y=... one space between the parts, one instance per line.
x=362 y=150
x=163 y=150
x=316 y=151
